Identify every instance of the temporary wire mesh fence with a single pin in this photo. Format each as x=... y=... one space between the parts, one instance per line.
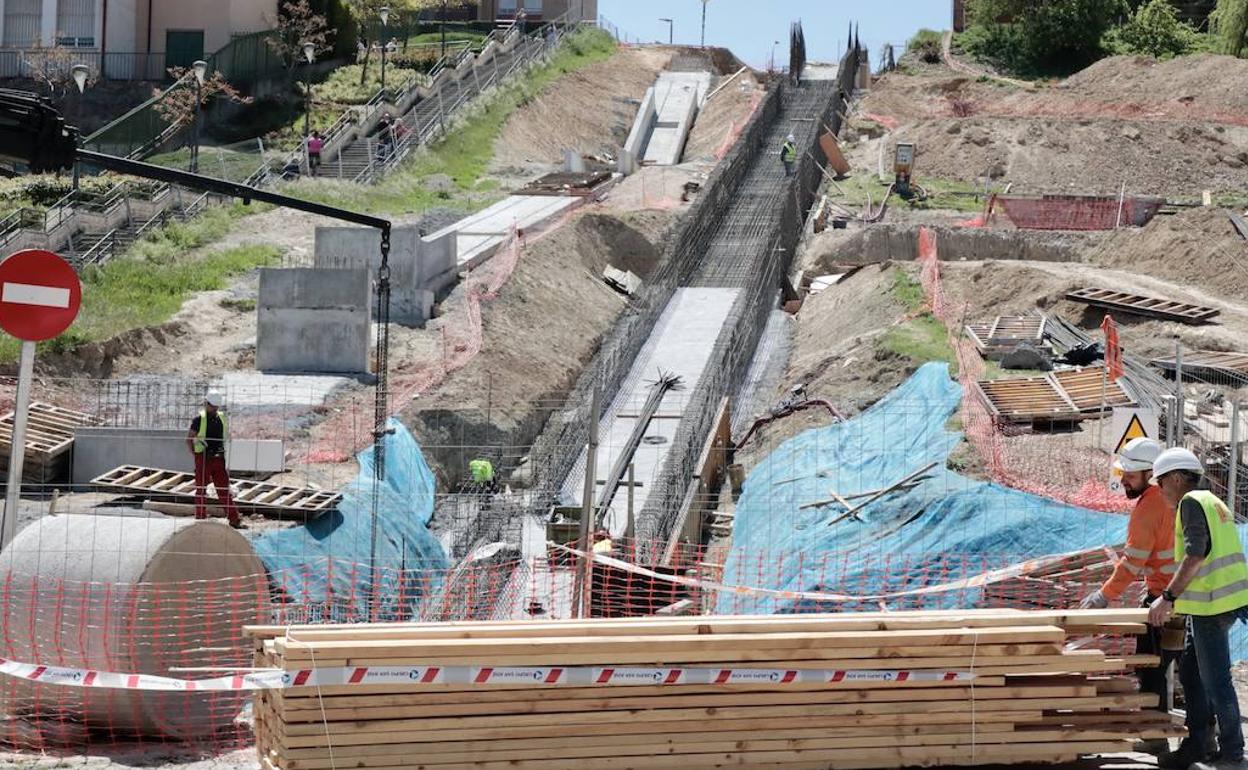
x=191 y=630
x=1079 y=474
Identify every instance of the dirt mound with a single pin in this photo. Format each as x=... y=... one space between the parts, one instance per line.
x=589 y=111
x=1084 y=156
x=1198 y=247
x=1205 y=80
x=539 y=332
x=723 y=116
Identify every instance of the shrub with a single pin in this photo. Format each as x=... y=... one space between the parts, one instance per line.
x=1154 y=30
x=927 y=45
x=1057 y=36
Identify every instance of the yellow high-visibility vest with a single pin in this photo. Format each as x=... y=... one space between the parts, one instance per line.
x=201 y=442
x=1221 y=584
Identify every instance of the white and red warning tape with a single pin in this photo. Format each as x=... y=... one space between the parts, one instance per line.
x=574 y=676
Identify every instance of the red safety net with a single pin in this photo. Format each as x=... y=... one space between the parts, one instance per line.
x=1078 y=212
x=1028 y=461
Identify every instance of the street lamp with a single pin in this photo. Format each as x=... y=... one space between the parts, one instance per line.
x=669 y=30
x=385 y=20
x=200 y=68
x=443 y=18
x=704 y=2
x=309 y=53
x=771 y=61
x=80 y=73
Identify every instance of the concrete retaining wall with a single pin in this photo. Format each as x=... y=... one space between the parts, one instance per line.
x=881 y=242
x=99 y=450
x=313 y=320
x=639 y=136
x=420 y=267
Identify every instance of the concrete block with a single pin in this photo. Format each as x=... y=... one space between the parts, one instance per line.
x=97 y=450
x=420 y=267
x=313 y=320
x=639 y=135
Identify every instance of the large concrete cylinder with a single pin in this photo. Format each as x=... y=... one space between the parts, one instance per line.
x=138 y=594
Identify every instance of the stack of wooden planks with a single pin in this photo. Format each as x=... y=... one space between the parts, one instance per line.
x=1150 y=307
x=870 y=690
x=1066 y=395
x=49 y=439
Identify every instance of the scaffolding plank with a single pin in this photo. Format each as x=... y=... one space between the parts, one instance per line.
x=1137 y=304
x=1026 y=399
x=1207 y=363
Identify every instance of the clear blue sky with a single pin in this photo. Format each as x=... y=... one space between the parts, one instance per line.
x=749 y=27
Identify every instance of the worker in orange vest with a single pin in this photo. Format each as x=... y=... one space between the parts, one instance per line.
x=1149 y=554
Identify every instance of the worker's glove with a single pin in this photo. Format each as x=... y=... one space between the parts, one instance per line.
x=1094 y=601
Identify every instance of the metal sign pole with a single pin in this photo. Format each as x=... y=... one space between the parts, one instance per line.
x=17 y=452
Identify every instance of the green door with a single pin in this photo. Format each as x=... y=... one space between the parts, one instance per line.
x=183 y=47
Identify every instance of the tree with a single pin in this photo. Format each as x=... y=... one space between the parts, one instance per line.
x=1156 y=30
x=178 y=104
x=297 y=24
x=1229 y=22
x=52 y=66
x=367 y=16
x=1042 y=35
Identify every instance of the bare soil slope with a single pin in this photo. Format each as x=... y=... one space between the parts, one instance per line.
x=589 y=111
x=1164 y=128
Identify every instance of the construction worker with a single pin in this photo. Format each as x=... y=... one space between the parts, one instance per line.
x=482 y=471
x=206 y=441
x=1210 y=587
x=1149 y=553
x=788 y=154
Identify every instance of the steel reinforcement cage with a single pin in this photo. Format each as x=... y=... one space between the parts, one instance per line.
x=567 y=433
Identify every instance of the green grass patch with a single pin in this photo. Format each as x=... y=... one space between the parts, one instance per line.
x=465 y=153
x=435 y=38
x=147 y=285
x=920 y=339
x=240 y=304
x=907 y=291
x=942 y=194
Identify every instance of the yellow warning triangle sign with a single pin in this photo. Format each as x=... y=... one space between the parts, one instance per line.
x=1135 y=429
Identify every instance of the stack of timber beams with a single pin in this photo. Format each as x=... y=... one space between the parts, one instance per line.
x=1032 y=697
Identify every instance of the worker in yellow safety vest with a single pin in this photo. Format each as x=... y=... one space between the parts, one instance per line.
x=1211 y=589
x=788 y=154
x=482 y=471
x=207 y=439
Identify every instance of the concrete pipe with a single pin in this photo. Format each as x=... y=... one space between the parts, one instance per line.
x=132 y=594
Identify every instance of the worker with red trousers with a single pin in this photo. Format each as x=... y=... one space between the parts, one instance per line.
x=206 y=441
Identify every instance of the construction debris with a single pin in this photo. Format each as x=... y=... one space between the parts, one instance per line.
x=1137 y=304
x=1206 y=365
x=873 y=690
x=49 y=437
x=580 y=183
x=622 y=281
x=257 y=496
x=1005 y=332
x=1067 y=395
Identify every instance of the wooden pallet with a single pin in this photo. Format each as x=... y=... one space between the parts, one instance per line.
x=1150 y=307
x=49 y=437
x=256 y=496
x=995 y=338
x=1067 y=395
x=1083 y=388
x=1207 y=364
x=1031 y=699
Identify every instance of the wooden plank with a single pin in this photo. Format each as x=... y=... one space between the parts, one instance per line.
x=1143 y=305
x=249 y=495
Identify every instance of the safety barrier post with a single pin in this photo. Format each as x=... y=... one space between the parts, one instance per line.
x=1232 y=477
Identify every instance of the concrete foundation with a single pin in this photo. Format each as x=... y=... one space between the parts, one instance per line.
x=313 y=320
x=420 y=267
x=477 y=237
x=666 y=114
x=99 y=450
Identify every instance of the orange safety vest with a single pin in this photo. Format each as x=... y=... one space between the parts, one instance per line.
x=1149 y=552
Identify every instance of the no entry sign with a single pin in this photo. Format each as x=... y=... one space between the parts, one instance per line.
x=39 y=295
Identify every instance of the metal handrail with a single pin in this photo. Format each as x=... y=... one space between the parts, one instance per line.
x=95 y=254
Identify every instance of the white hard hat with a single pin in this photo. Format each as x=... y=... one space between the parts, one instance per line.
x=214 y=397
x=1176 y=459
x=791 y=138
x=1138 y=455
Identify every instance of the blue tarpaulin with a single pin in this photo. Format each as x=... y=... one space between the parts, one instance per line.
x=907 y=538
x=329 y=556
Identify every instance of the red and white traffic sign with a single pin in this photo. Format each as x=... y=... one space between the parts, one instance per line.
x=39 y=295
